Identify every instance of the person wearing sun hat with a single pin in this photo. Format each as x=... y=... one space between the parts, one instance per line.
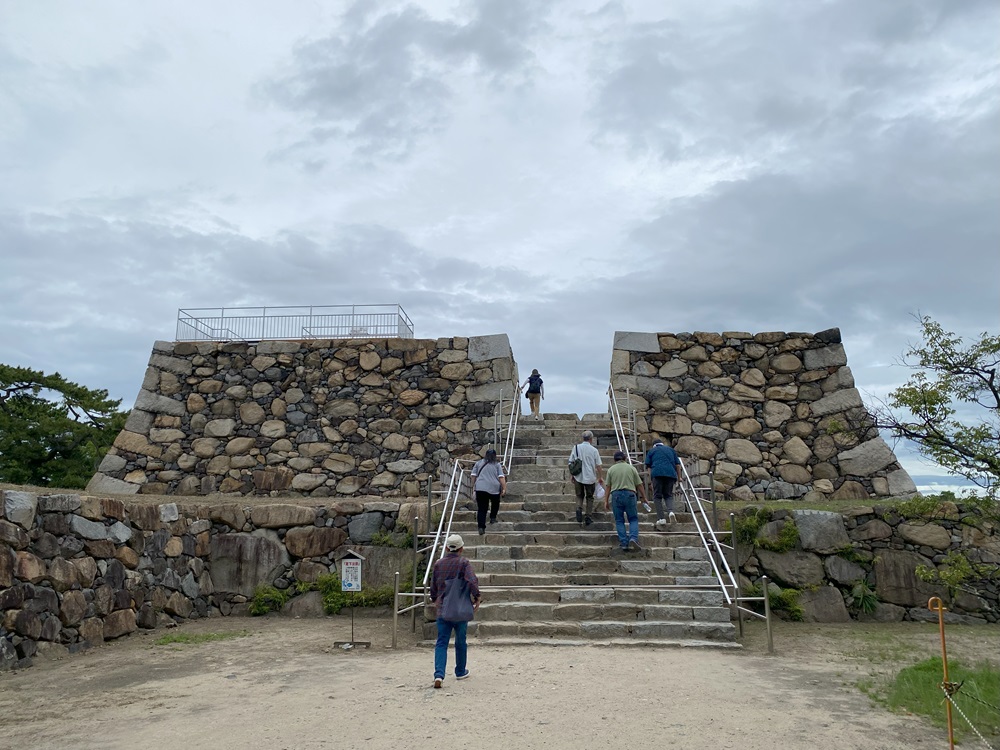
x=452 y=567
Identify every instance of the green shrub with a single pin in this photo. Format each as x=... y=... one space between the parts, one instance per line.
x=268 y=599
x=748 y=524
x=788 y=538
x=862 y=598
x=335 y=600
x=783 y=600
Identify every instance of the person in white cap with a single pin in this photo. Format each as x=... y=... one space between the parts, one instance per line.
x=452 y=570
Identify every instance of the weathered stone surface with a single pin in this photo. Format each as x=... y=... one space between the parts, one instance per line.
x=308 y=482
x=776 y=413
x=363 y=527
x=220 y=428
x=836 y=402
x=241 y=562
x=830 y=356
x=406 y=466
x=925 y=535
x=177 y=604
x=786 y=363
x=313 y=541
x=29 y=567
x=794 y=474
x=742 y=451
x=7 y=564
x=896 y=580
x=88 y=529
x=851 y=490
x=691 y=445
x=20 y=508
x=821 y=531
x=119 y=623
x=72 y=608
x=61 y=574
x=101 y=484
x=796 y=451
x=13 y=535
x=900 y=484
x=158 y=404
x=824 y=604
x=279 y=516
x=843 y=571
x=92 y=630
x=273 y=429
x=865 y=459
x=485 y=348
x=797 y=569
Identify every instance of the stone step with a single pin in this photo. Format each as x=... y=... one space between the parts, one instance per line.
x=576 y=552
x=469 y=526
x=545 y=537
x=600 y=629
x=564 y=566
x=619 y=594
x=595 y=579
x=551 y=641
x=621 y=611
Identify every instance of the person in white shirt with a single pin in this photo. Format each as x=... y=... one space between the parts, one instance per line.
x=591 y=475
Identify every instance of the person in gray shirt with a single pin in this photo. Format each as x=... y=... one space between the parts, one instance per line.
x=489 y=482
x=591 y=475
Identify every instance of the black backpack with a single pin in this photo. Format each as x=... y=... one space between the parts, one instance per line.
x=534 y=383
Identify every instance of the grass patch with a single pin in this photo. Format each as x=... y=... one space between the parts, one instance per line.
x=916 y=689
x=198 y=637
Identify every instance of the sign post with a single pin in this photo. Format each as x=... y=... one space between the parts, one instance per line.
x=350 y=582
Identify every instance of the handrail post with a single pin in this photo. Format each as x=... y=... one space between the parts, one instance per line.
x=413 y=588
x=711 y=495
x=736 y=569
x=430 y=500
x=395 y=608
x=767 y=616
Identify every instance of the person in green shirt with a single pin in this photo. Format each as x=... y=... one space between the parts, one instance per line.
x=623 y=482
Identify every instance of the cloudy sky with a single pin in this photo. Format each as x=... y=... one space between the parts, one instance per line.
x=552 y=170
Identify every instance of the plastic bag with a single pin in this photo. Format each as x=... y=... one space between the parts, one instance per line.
x=599 y=492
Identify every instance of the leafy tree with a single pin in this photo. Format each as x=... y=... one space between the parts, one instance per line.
x=949 y=373
x=53 y=432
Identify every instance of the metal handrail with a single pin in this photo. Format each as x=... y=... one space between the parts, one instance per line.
x=716 y=550
x=508 y=447
x=616 y=421
x=295 y=322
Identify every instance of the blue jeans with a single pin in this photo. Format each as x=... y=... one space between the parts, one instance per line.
x=623 y=505
x=441 y=647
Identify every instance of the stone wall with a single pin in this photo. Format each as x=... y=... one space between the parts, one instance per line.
x=877 y=546
x=777 y=414
x=78 y=570
x=317 y=418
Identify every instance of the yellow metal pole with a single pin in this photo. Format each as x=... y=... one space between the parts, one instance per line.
x=936 y=605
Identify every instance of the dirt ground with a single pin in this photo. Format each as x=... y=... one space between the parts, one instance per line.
x=284 y=685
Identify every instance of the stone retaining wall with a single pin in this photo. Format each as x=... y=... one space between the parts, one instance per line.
x=776 y=413
x=78 y=570
x=317 y=418
x=877 y=546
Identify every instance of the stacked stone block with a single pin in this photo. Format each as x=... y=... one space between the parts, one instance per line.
x=774 y=415
x=317 y=418
x=79 y=570
x=885 y=551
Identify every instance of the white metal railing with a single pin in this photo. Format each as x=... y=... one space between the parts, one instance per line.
x=510 y=434
x=718 y=553
x=625 y=429
x=293 y=322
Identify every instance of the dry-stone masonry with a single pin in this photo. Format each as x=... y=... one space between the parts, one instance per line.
x=775 y=414
x=317 y=418
x=878 y=547
x=77 y=570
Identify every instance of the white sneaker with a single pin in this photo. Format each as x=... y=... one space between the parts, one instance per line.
x=661 y=525
x=672 y=517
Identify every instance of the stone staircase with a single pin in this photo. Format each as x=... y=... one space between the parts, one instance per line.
x=547 y=579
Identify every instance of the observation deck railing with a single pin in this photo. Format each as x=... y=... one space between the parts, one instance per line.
x=295 y=323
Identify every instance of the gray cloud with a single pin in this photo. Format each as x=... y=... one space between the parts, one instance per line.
x=382 y=81
x=552 y=171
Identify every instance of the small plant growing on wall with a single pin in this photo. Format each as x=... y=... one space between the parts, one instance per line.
x=862 y=598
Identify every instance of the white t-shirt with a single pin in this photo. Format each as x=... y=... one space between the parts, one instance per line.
x=591 y=458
